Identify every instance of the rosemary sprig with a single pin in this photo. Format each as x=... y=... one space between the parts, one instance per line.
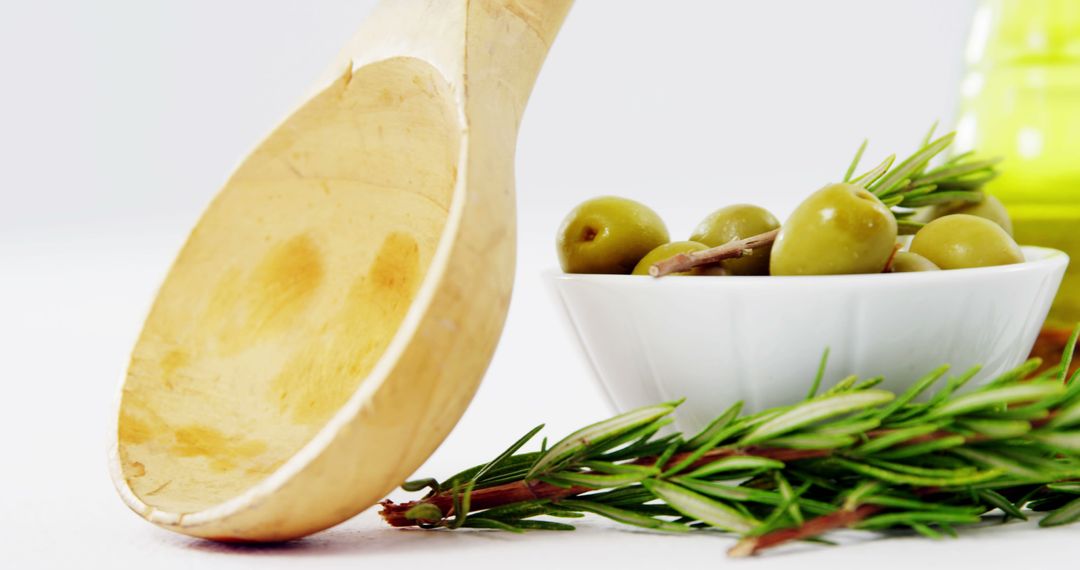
x=853 y=456
x=914 y=183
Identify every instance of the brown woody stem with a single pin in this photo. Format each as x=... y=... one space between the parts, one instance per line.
x=813 y=527
x=480 y=499
x=523 y=491
x=730 y=250
x=892 y=257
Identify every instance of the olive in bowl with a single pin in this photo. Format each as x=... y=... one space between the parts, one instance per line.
x=608 y=235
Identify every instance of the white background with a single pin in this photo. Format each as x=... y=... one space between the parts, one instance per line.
x=120 y=119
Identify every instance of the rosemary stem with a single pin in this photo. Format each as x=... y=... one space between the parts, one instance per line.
x=526 y=490
x=730 y=250
x=522 y=491
x=813 y=527
x=481 y=499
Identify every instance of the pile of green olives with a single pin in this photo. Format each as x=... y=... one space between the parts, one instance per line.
x=840 y=229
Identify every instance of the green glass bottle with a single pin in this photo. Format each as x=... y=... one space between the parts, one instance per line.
x=1021 y=101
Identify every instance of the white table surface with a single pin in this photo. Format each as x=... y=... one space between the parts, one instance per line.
x=70 y=307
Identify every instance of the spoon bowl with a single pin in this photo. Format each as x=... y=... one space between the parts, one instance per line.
x=325 y=325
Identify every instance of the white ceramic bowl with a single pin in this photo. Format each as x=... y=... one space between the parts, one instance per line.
x=716 y=340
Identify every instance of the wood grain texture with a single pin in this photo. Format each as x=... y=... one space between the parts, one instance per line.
x=325 y=326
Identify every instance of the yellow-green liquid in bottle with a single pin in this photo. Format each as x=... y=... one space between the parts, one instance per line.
x=1021 y=101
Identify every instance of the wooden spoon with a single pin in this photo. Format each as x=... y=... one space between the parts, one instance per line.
x=335 y=308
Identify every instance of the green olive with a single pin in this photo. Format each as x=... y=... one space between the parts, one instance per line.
x=907 y=262
x=839 y=229
x=608 y=235
x=665 y=251
x=990 y=208
x=962 y=240
x=738 y=222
